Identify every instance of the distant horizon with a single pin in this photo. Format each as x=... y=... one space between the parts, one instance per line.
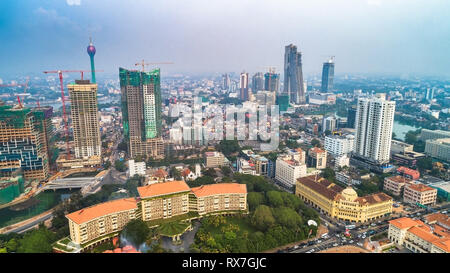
x=402 y=37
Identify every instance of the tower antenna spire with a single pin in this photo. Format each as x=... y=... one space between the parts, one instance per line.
x=91 y=52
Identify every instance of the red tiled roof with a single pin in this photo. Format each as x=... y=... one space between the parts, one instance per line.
x=420 y=187
x=321 y=186
x=404 y=222
x=162 y=188
x=102 y=209
x=221 y=188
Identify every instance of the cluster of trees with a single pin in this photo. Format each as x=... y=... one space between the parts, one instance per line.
x=135 y=232
x=228 y=147
x=411 y=137
x=35 y=241
x=120 y=166
x=276 y=218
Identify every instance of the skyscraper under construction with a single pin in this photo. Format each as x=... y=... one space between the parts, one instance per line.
x=141 y=112
x=21 y=144
x=85 y=119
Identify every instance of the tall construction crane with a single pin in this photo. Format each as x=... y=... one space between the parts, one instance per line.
x=143 y=64
x=66 y=125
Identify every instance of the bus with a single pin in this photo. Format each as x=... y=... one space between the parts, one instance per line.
x=350 y=226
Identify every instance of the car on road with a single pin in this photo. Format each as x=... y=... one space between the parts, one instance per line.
x=360 y=244
x=351 y=242
x=335 y=244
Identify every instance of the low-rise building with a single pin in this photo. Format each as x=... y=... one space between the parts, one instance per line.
x=105 y=219
x=438 y=148
x=399 y=147
x=164 y=200
x=340 y=203
x=419 y=193
x=339 y=145
x=396 y=184
x=219 y=198
x=214 y=159
x=259 y=162
x=317 y=158
x=136 y=168
x=407 y=159
x=443 y=189
x=407 y=172
x=419 y=237
x=288 y=169
x=426 y=134
x=98 y=223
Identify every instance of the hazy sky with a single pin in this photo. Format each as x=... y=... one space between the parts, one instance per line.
x=366 y=36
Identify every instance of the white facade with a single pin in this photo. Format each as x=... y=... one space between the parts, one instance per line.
x=287 y=171
x=374 y=122
x=136 y=168
x=329 y=123
x=342 y=161
x=338 y=146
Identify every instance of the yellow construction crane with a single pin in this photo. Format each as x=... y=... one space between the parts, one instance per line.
x=143 y=64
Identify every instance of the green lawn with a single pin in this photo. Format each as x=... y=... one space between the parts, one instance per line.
x=172 y=228
x=242 y=222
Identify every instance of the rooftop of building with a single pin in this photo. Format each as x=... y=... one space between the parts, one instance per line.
x=406 y=170
x=211 y=154
x=102 y=209
x=405 y=222
x=373 y=198
x=316 y=150
x=164 y=188
x=438 y=218
x=321 y=185
x=221 y=188
x=399 y=179
x=420 y=187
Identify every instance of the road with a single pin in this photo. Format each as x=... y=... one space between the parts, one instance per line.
x=32 y=224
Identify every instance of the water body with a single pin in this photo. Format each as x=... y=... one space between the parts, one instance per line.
x=399 y=129
x=40 y=203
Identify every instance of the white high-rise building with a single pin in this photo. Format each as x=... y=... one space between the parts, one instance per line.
x=339 y=145
x=374 y=122
x=329 y=124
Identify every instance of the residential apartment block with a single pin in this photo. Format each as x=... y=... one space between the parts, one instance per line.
x=214 y=159
x=317 y=158
x=438 y=148
x=420 y=193
x=136 y=168
x=288 y=168
x=339 y=145
x=85 y=119
x=396 y=184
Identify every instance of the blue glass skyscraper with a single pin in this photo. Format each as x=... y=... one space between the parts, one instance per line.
x=328 y=75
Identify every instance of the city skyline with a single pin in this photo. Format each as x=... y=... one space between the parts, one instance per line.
x=354 y=35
